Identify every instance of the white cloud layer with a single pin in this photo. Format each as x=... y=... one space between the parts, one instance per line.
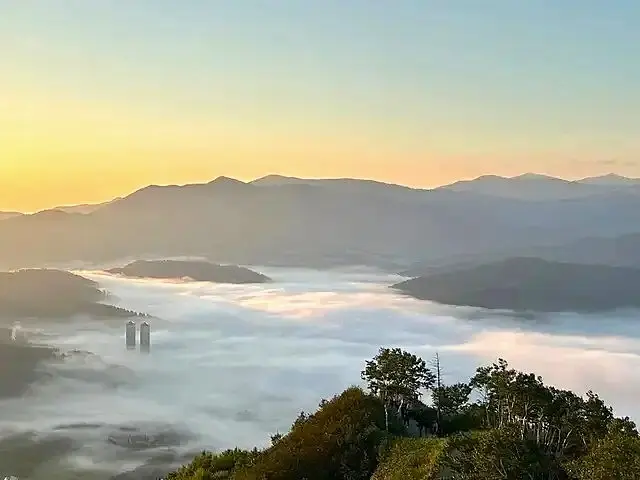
x=231 y=365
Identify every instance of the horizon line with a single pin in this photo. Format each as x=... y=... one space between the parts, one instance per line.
x=313 y=178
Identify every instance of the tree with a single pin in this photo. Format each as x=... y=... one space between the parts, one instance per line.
x=302 y=417
x=451 y=399
x=397 y=377
x=616 y=456
x=276 y=437
x=209 y=465
x=340 y=441
x=499 y=454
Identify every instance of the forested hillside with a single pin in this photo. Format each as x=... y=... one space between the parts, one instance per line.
x=518 y=428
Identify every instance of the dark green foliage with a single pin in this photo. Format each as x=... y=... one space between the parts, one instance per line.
x=616 y=456
x=208 y=466
x=519 y=429
x=559 y=421
x=498 y=454
x=341 y=440
x=451 y=399
x=469 y=419
x=397 y=376
x=424 y=416
x=303 y=417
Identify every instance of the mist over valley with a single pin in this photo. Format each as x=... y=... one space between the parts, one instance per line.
x=266 y=297
x=231 y=365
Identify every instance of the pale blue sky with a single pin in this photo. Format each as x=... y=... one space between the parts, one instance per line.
x=434 y=89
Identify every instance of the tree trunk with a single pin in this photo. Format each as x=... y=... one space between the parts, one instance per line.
x=386 y=417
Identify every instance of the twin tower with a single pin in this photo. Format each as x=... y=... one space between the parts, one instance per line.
x=145 y=336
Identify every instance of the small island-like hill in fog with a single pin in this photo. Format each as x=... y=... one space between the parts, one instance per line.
x=531 y=284
x=199 y=271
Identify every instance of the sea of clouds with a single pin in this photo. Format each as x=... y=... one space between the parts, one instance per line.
x=232 y=364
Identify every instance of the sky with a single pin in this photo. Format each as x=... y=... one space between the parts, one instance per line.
x=99 y=98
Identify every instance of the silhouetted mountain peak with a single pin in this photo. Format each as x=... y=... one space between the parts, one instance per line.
x=227 y=181
x=275 y=180
x=486 y=178
x=52 y=214
x=274 y=177
x=538 y=177
x=611 y=180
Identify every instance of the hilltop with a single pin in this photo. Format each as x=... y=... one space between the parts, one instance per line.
x=48 y=293
x=195 y=270
x=531 y=284
x=518 y=428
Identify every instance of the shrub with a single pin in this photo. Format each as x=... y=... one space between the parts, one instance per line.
x=412 y=459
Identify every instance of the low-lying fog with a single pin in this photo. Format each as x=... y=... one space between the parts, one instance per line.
x=230 y=365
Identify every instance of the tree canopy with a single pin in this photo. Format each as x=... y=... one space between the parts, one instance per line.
x=518 y=428
x=396 y=376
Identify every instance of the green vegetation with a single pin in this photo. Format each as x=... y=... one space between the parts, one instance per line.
x=412 y=459
x=518 y=428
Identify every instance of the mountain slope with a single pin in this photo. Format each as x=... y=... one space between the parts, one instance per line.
x=198 y=271
x=531 y=186
x=610 y=180
x=620 y=251
x=531 y=284
x=42 y=293
x=353 y=185
x=86 y=207
x=6 y=215
x=524 y=187
x=312 y=225
x=234 y=222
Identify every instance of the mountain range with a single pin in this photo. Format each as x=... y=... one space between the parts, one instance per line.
x=532 y=186
x=277 y=220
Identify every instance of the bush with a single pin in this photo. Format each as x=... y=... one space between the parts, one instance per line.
x=342 y=440
x=498 y=454
x=412 y=459
x=208 y=466
x=616 y=456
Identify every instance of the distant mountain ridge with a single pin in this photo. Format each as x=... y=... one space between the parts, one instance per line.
x=5 y=215
x=532 y=186
x=85 y=208
x=491 y=185
x=619 y=251
x=322 y=223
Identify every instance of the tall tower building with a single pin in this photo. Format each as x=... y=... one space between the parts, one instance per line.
x=130 y=334
x=145 y=336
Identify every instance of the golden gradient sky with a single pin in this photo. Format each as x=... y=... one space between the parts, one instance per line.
x=98 y=100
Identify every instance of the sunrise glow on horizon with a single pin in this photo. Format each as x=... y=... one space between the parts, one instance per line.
x=100 y=98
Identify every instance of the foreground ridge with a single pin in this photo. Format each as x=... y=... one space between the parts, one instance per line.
x=519 y=428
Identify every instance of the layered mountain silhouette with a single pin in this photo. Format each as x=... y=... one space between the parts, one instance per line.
x=85 y=208
x=620 y=251
x=280 y=220
x=531 y=284
x=532 y=186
